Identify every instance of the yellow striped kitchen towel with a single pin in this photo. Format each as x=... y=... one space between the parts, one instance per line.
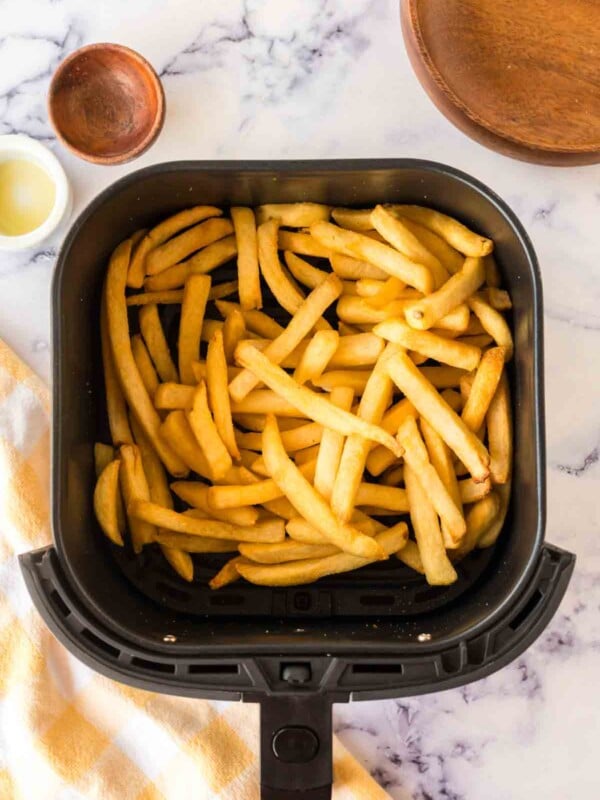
x=67 y=733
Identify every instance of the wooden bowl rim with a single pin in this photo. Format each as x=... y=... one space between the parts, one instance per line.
x=159 y=117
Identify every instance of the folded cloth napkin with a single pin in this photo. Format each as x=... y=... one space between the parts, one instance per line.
x=67 y=733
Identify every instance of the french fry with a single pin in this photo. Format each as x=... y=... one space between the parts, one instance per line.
x=375 y=400
x=304 y=272
x=355 y=219
x=310 y=570
x=426 y=313
x=386 y=497
x=308 y=313
x=154 y=338
x=410 y=556
x=288 y=550
x=302 y=531
x=200 y=371
x=480 y=517
x=177 y=432
x=417 y=458
x=492 y=273
x=256 y=321
x=443 y=377
x=347 y=330
x=203 y=426
x=489 y=537
x=194 y=544
x=227 y=574
x=498 y=299
x=181 y=246
x=332 y=444
x=452 y=231
x=307 y=500
x=256 y=422
x=317 y=355
x=134 y=486
x=159 y=234
x=450 y=258
x=118 y=333
x=279 y=281
x=310 y=403
x=355 y=379
x=494 y=324
x=265 y=401
x=484 y=386
x=293 y=215
x=144 y=364
x=381 y=255
x=400 y=237
x=453 y=398
x=393 y=476
x=171 y=279
x=244 y=226
x=301 y=243
x=380 y=458
x=306 y=456
x=220 y=497
x=103 y=455
x=107 y=499
x=353 y=268
x=170 y=396
x=203 y=262
x=436 y=564
x=359 y=350
x=387 y=293
x=218 y=395
x=196 y=494
x=446 y=351
x=307 y=435
x=270 y=531
x=173 y=297
x=195 y=297
x=222 y=290
x=471 y=492
x=442 y=462
x=477 y=341
x=499 y=428
x=116 y=407
x=234 y=329
x=440 y=415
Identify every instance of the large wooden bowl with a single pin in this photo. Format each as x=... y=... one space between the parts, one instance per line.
x=106 y=103
x=520 y=76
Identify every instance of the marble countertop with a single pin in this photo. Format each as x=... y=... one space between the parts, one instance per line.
x=330 y=79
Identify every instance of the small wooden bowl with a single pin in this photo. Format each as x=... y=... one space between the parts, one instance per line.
x=106 y=103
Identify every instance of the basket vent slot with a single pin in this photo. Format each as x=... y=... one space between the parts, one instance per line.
x=451 y=661
x=377 y=599
x=153 y=666
x=525 y=612
x=213 y=669
x=59 y=603
x=226 y=600
x=105 y=647
x=378 y=669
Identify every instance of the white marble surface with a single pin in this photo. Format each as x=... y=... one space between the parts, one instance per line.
x=330 y=78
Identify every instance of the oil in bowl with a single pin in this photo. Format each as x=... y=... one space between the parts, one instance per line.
x=27 y=195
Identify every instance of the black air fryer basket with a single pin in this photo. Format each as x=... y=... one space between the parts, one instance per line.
x=380 y=632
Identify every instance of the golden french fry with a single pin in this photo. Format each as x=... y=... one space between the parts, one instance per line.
x=304 y=272
x=218 y=395
x=302 y=243
x=307 y=500
x=154 y=338
x=471 y=492
x=387 y=293
x=116 y=407
x=493 y=323
x=440 y=415
x=309 y=570
x=309 y=312
x=393 y=476
x=302 y=531
x=410 y=556
x=385 y=497
x=256 y=422
x=173 y=297
x=288 y=550
x=380 y=458
x=332 y=444
x=375 y=400
x=417 y=458
x=452 y=231
x=256 y=321
x=279 y=281
x=129 y=377
x=222 y=290
x=450 y=258
x=446 y=351
x=436 y=564
x=317 y=355
x=265 y=401
x=205 y=430
x=307 y=456
x=103 y=455
x=358 y=350
x=194 y=544
x=355 y=379
x=169 y=280
x=144 y=364
x=485 y=383
x=107 y=499
x=441 y=459
x=498 y=299
x=499 y=428
x=443 y=377
x=220 y=497
x=426 y=313
x=347 y=330
x=200 y=371
x=205 y=261
x=492 y=273
x=170 y=396
x=381 y=255
x=177 y=432
x=453 y=398
x=159 y=234
x=244 y=226
x=477 y=341
x=355 y=219
x=306 y=435
x=293 y=215
x=195 y=297
x=490 y=536
x=354 y=269
x=400 y=237
x=480 y=517
x=181 y=246
x=196 y=494
x=134 y=486
x=310 y=403
x=234 y=329
x=269 y=531
x=227 y=574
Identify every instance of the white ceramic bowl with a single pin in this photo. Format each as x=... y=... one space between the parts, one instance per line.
x=19 y=146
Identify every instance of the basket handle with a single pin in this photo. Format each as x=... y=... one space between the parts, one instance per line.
x=295 y=745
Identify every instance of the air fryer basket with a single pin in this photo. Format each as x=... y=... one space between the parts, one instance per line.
x=381 y=632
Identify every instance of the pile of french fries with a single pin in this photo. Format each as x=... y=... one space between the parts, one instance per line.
x=297 y=447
